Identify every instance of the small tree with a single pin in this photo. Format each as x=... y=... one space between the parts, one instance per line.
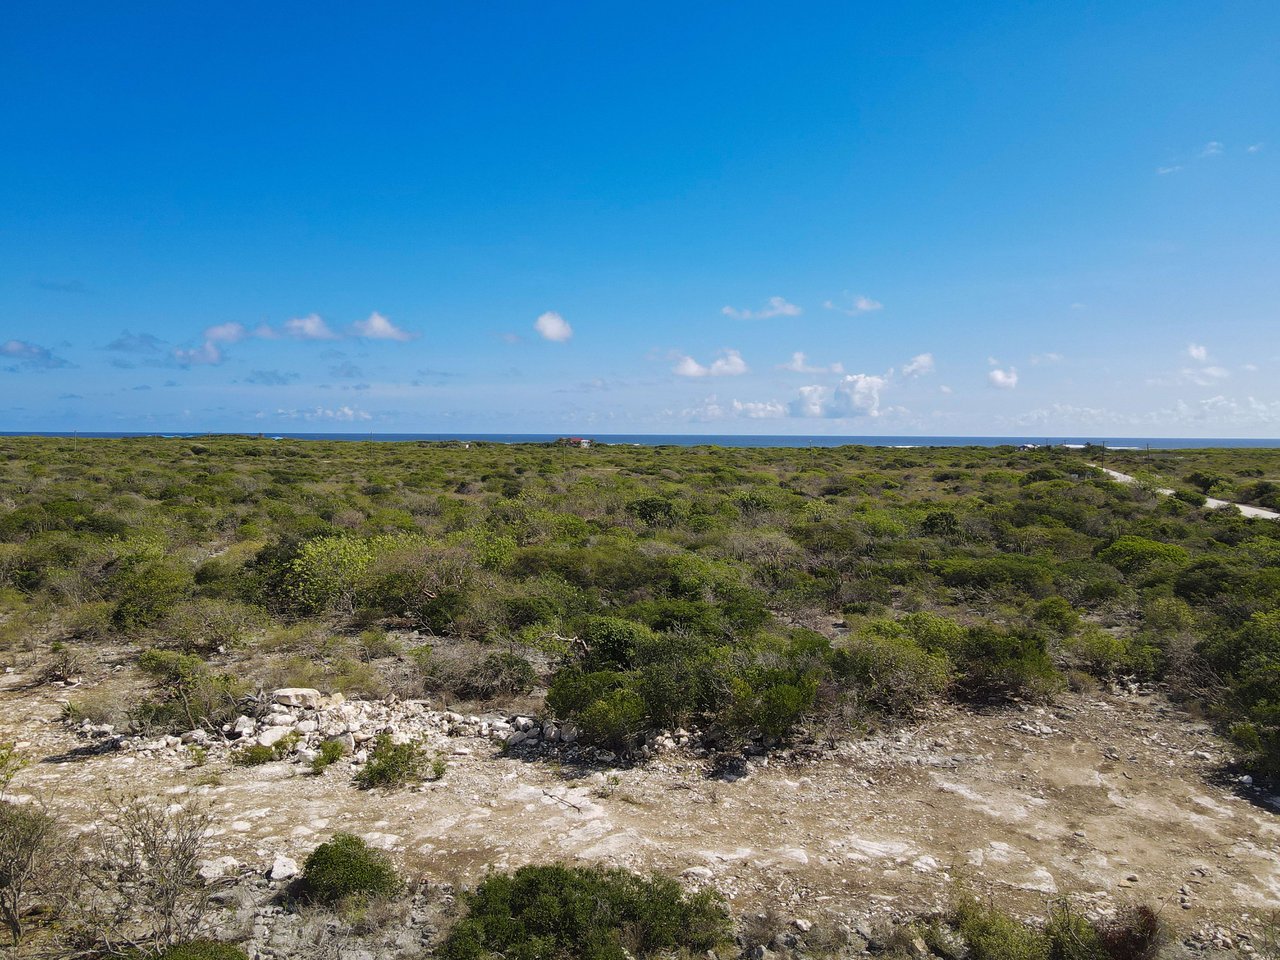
x=145 y=868
x=31 y=848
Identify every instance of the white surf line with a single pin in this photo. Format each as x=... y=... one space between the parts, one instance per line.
x=1248 y=511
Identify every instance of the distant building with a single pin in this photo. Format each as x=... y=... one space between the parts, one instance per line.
x=574 y=442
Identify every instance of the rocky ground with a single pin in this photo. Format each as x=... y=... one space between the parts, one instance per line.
x=1108 y=798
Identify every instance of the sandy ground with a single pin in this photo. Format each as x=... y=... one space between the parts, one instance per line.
x=1109 y=798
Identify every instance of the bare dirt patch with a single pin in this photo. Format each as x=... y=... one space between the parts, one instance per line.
x=1106 y=798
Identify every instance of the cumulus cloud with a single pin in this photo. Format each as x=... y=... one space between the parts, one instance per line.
x=135 y=343
x=207 y=354
x=856 y=395
x=800 y=364
x=30 y=356
x=759 y=410
x=853 y=305
x=728 y=364
x=1254 y=148
x=1198 y=352
x=713 y=409
x=378 y=327
x=774 y=307
x=919 y=365
x=1212 y=149
x=1003 y=379
x=551 y=326
x=1165 y=171
x=344 y=414
x=310 y=327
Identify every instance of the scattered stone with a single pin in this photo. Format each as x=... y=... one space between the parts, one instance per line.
x=283 y=868
x=297 y=697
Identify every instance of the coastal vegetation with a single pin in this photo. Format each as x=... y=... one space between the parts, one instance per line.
x=748 y=593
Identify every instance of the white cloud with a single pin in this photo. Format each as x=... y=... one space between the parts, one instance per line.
x=1205 y=376
x=919 y=365
x=759 y=410
x=1039 y=359
x=856 y=395
x=226 y=333
x=378 y=327
x=310 y=327
x=1212 y=149
x=1254 y=148
x=344 y=414
x=945 y=389
x=799 y=364
x=728 y=364
x=775 y=307
x=207 y=354
x=1198 y=352
x=854 y=305
x=551 y=326
x=1003 y=379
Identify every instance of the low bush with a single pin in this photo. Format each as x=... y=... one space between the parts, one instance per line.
x=192 y=696
x=588 y=913
x=204 y=950
x=996 y=664
x=992 y=934
x=348 y=869
x=396 y=764
x=253 y=755
x=889 y=672
x=329 y=754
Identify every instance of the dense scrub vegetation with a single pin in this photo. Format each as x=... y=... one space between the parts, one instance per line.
x=643 y=588
x=595 y=914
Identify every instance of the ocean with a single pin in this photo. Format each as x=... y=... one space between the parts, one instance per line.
x=718 y=440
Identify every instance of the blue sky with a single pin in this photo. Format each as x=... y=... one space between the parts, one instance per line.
x=1034 y=217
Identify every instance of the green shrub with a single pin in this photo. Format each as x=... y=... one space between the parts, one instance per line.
x=611 y=642
x=395 y=764
x=614 y=720
x=192 y=696
x=1072 y=937
x=994 y=935
x=346 y=869
x=204 y=950
x=889 y=671
x=998 y=664
x=772 y=706
x=1101 y=653
x=585 y=913
x=329 y=754
x=253 y=755
x=1130 y=554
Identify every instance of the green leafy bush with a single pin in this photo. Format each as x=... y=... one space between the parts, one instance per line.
x=395 y=764
x=996 y=664
x=590 y=914
x=992 y=934
x=1131 y=554
x=253 y=755
x=204 y=950
x=330 y=753
x=346 y=869
x=889 y=671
